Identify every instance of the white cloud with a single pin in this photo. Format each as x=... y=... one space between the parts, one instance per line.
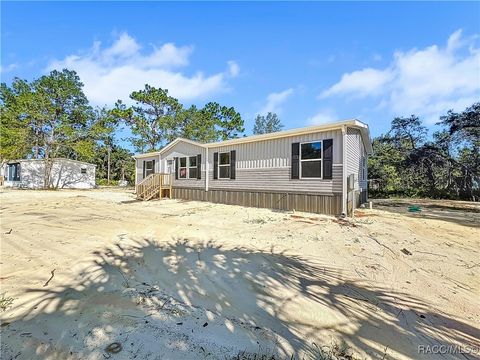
x=426 y=82
x=274 y=101
x=233 y=68
x=323 y=117
x=113 y=72
x=360 y=83
x=10 y=67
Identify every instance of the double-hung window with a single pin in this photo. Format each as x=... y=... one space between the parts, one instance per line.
x=182 y=168
x=192 y=167
x=224 y=165
x=311 y=160
x=149 y=167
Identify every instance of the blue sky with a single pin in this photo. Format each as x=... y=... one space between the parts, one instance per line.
x=309 y=62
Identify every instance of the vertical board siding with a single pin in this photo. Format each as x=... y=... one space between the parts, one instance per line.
x=315 y=203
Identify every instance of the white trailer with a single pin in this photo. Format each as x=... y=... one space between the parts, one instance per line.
x=65 y=174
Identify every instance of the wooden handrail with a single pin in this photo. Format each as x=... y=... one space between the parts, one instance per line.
x=153 y=185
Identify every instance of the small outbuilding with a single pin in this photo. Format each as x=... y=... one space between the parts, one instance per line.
x=64 y=174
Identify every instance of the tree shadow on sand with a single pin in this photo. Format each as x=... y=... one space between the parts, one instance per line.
x=186 y=299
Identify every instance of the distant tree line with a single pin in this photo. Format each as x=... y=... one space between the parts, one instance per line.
x=406 y=163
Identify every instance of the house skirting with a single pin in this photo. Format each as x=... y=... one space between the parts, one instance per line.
x=363 y=197
x=330 y=204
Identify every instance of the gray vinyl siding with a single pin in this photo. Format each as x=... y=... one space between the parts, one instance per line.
x=182 y=149
x=139 y=166
x=355 y=152
x=265 y=165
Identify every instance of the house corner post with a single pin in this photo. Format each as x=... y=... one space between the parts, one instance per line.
x=344 y=169
x=206 y=169
x=136 y=163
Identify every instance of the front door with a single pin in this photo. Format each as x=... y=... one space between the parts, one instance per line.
x=170 y=167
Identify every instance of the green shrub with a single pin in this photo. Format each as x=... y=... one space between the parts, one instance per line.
x=104 y=182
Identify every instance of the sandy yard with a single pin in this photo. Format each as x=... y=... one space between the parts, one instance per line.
x=169 y=279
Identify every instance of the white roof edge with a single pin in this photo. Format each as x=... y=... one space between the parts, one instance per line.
x=179 y=139
x=60 y=158
x=291 y=132
x=139 y=156
x=169 y=145
x=365 y=132
x=276 y=135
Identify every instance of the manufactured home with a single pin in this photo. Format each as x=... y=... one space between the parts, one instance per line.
x=64 y=174
x=321 y=169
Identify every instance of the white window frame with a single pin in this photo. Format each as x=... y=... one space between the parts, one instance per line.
x=180 y=167
x=300 y=161
x=171 y=163
x=190 y=167
x=224 y=165
x=147 y=169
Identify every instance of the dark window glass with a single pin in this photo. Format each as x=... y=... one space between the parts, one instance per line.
x=311 y=169
x=192 y=161
x=183 y=162
x=149 y=168
x=192 y=173
x=224 y=158
x=183 y=173
x=84 y=171
x=312 y=150
x=14 y=172
x=224 y=171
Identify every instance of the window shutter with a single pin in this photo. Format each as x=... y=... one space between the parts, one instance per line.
x=199 y=166
x=327 y=158
x=153 y=166
x=176 y=168
x=295 y=170
x=232 y=163
x=144 y=168
x=215 y=165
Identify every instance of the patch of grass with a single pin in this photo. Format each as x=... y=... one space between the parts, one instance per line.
x=259 y=220
x=5 y=302
x=247 y=356
x=255 y=221
x=335 y=351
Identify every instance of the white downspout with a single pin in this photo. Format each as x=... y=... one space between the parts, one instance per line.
x=136 y=164
x=344 y=170
x=206 y=169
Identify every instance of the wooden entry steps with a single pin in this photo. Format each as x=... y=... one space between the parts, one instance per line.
x=157 y=185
